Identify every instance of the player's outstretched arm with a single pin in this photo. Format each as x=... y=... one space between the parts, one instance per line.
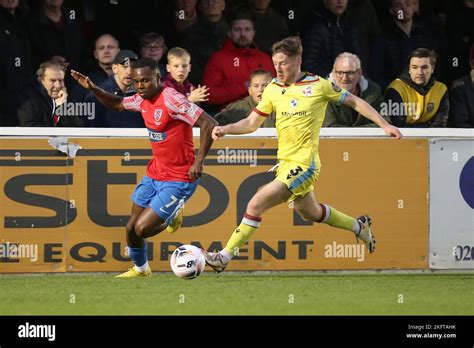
x=244 y=126
x=206 y=124
x=366 y=110
x=107 y=99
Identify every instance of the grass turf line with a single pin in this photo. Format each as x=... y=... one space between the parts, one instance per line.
x=238 y=294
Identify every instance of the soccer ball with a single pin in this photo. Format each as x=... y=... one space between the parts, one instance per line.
x=187 y=262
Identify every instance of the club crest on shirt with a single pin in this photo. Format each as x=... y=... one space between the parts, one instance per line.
x=293 y=103
x=430 y=107
x=308 y=91
x=157 y=116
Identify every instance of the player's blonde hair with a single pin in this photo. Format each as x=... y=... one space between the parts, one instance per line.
x=178 y=52
x=291 y=46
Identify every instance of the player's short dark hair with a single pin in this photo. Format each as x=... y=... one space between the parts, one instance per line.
x=146 y=62
x=291 y=46
x=50 y=64
x=259 y=72
x=423 y=53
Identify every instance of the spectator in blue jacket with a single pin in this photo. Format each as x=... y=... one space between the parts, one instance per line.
x=120 y=84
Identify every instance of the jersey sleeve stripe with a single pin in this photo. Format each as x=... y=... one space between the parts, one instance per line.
x=260 y=112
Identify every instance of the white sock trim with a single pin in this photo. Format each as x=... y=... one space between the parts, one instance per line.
x=252 y=223
x=143 y=268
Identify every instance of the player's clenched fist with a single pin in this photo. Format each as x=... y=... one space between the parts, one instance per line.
x=218 y=132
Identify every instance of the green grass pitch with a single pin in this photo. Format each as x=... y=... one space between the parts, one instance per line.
x=292 y=293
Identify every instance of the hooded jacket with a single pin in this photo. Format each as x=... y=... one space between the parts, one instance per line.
x=228 y=70
x=412 y=105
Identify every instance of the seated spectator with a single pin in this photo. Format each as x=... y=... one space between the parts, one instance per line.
x=329 y=34
x=228 y=69
x=206 y=36
x=347 y=73
x=15 y=60
x=270 y=26
x=120 y=84
x=44 y=99
x=152 y=45
x=105 y=49
x=240 y=109
x=416 y=99
x=462 y=99
x=400 y=37
x=178 y=67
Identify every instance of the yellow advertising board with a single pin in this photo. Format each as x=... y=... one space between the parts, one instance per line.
x=61 y=214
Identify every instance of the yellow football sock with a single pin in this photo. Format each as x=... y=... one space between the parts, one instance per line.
x=335 y=218
x=242 y=233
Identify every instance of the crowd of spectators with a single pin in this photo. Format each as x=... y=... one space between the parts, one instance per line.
x=412 y=60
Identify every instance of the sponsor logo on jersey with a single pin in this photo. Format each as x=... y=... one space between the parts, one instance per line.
x=156 y=136
x=293 y=103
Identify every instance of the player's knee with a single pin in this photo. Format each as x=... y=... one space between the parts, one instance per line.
x=313 y=215
x=140 y=228
x=253 y=207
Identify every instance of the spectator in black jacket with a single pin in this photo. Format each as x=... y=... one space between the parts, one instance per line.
x=15 y=60
x=462 y=99
x=56 y=35
x=400 y=37
x=329 y=35
x=206 y=36
x=106 y=48
x=45 y=99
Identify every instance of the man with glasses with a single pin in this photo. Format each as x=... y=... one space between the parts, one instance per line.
x=347 y=73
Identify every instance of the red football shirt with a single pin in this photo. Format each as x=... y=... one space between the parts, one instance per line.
x=169 y=118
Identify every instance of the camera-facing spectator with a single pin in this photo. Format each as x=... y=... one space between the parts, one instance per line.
x=400 y=37
x=15 y=60
x=347 y=73
x=228 y=69
x=106 y=48
x=240 y=109
x=152 y=45
x=206 y=36
x=462 y=99
x=416 y=99
x=56 y=35
x=120 y=84
x=329 y=34
x=181 y=16
x=41 y=107
x=179 y=67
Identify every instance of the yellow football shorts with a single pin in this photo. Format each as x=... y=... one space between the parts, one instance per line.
x=297 y=177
